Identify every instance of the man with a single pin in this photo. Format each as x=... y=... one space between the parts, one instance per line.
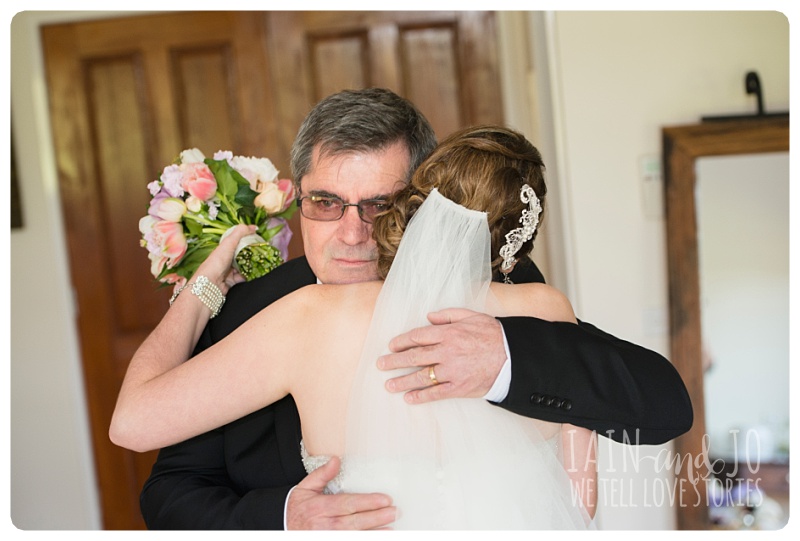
x=354 y=149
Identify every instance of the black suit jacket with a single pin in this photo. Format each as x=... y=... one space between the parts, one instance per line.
x=238 y=476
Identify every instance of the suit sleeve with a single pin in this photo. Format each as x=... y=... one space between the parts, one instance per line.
x=190 y=486
x=190 y=489
x=578 y=374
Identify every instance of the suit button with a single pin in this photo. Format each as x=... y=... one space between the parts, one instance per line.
x=566 y=405
x=536 y=398
x=557 y=403
x=549 y=401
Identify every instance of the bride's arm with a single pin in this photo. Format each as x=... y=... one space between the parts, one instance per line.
x=579 y=447
x=164 y=400
x=534 y=300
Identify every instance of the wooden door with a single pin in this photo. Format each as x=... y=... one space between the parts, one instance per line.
x=127 y=94
x=444 y=62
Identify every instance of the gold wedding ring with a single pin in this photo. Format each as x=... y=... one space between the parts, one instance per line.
x=432 y=376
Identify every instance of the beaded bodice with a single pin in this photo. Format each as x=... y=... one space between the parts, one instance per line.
x=311 y=463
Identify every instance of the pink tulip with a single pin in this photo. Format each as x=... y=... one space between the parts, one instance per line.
x=199 y=181
x=286 y=186
x=155 y=202
x=170 y=209
x=157 y=263
x=173 y=278
x=169 y=237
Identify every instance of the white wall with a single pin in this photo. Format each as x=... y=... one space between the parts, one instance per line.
x=616 y=79
x=53 y=482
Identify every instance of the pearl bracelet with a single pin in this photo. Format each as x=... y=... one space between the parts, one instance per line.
x=205 y=290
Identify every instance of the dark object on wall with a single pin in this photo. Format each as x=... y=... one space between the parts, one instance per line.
x=752 y=85
x=16 y=204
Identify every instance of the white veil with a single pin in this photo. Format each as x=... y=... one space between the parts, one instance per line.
x=450 y=464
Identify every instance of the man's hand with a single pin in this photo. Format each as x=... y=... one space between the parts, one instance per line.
x=309 y=509
x=465 y=349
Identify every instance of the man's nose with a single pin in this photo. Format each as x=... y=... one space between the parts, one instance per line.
x=352 y=229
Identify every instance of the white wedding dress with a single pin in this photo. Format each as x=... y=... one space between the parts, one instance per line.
x=452 y=464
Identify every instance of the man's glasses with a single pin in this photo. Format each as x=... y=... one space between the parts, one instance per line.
x=327 y=208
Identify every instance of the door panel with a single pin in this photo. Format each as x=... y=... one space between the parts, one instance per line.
x=127 y=94
x=117 y=122
x=431 y=77
x=205 y=102
x=338 y=62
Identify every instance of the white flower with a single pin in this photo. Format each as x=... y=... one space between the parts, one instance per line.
x=213 y=210
x=255 y=170
x=226 y=155
x=194 y=204
x=171 y=209
x=271 y=199
x=146 y=224
x=171 y=179
x=192 y=155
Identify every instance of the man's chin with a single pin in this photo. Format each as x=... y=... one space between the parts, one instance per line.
x=350 y=273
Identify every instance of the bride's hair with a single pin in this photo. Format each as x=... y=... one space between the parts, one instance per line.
x=482 y=168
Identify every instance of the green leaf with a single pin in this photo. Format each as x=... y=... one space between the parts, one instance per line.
x=245 y=197
x=188 y=265
x=226 y=184
x=228 y=179
x=223 y=218
x=194 y=228
x=260 y=217
x=271 y=232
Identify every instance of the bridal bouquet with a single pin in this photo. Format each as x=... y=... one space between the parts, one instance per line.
x=197 y=200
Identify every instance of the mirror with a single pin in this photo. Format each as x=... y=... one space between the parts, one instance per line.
x=743 y=255
x=685 y=148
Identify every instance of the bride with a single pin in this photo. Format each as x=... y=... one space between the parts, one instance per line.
x=468 y=212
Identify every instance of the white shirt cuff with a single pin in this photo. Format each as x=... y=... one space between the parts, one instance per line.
x=286 y=506
x=502 y=384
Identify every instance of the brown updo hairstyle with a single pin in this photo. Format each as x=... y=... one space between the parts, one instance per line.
x=481 y=168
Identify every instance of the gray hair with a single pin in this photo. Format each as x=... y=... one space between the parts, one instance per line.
x=366 y=120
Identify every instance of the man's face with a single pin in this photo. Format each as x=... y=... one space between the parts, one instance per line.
x=343 y=252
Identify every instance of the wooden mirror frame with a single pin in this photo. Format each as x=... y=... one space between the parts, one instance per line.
x=682 y=146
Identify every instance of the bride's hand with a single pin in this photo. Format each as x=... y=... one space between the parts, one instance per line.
x=218 y=266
